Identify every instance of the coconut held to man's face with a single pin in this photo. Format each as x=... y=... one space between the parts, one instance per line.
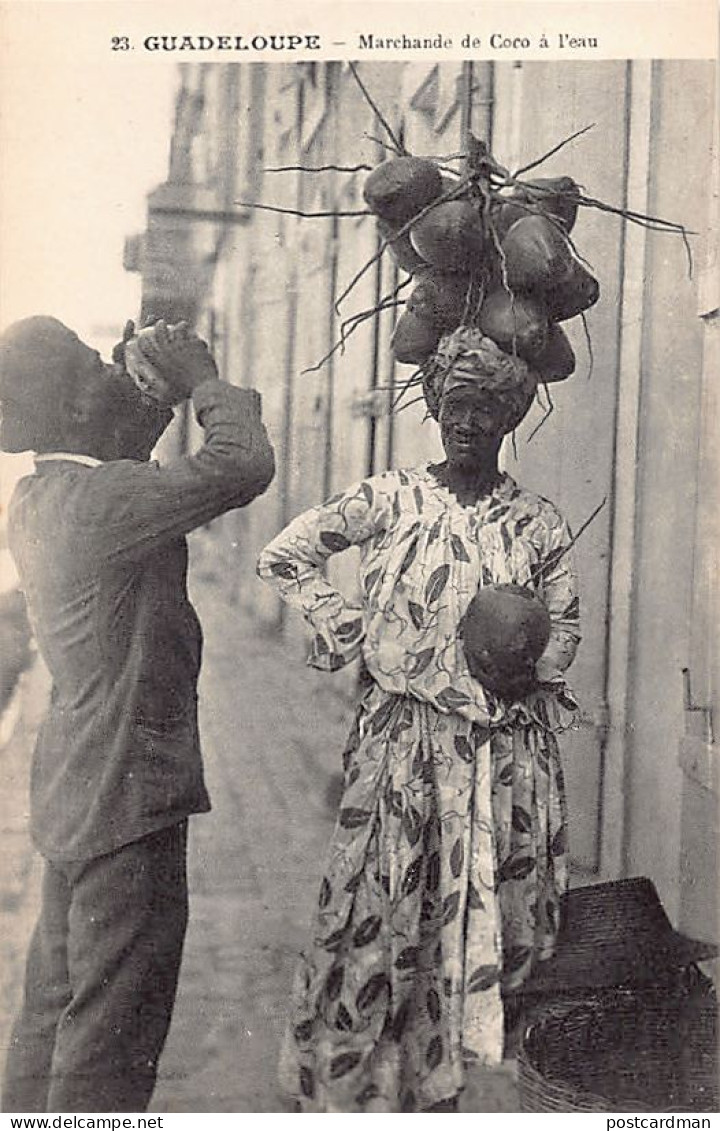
x=505 y=631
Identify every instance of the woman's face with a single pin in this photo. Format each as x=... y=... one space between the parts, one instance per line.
x=472 y=424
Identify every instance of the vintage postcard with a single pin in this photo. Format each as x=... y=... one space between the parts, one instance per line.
x=380 y=631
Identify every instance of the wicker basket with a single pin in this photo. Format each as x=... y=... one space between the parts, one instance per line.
x=639 y=1049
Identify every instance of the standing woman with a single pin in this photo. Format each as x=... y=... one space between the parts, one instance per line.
x=444 y=873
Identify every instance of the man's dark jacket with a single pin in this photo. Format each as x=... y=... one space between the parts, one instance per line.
x=102 y=558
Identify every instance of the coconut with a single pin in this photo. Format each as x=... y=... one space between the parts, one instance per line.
x=557 y=360
x=450 y=237
x=450 y=184
x=554 y=196
x=575 y=292
x=517 y=323
x=414 y=339
x=400 y=248
x=401 y=187
x=536 y=255
x=440 y=298
x=503 y=216
x=507 y=627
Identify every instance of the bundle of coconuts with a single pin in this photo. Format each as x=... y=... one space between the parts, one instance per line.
x=482 y=256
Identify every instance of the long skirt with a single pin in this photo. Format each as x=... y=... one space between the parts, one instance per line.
x=440 y=891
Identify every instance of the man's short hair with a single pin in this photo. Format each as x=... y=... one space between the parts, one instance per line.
x=38 y=364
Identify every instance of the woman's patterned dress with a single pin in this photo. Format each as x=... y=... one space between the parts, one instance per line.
x=444 y=872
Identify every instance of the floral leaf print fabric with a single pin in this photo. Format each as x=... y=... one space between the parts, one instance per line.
x=445 y=869
x=382 y=985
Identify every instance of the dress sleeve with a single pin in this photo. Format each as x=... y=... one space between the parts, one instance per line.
x=293 y=565
x=558 y=588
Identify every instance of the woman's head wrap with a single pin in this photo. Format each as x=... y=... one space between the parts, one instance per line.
x=467 y=357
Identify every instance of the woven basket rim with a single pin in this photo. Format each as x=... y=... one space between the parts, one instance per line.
x=572 y=1098
x=589 y=1014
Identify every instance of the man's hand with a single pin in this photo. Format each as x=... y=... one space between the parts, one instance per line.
x=181 y=359
x=118 y=352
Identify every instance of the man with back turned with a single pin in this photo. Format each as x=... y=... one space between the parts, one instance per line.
x=98 y=535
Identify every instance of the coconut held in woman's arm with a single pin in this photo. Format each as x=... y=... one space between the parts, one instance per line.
x=504 y=632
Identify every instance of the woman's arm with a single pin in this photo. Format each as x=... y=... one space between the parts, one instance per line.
x=293 y=562
x=559 y=590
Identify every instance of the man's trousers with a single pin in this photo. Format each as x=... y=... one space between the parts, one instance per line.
x=101 y=978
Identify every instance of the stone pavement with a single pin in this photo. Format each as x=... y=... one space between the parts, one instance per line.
x=273 y=732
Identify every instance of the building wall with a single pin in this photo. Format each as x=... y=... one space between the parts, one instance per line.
x=670 y=427
x=625 y=427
